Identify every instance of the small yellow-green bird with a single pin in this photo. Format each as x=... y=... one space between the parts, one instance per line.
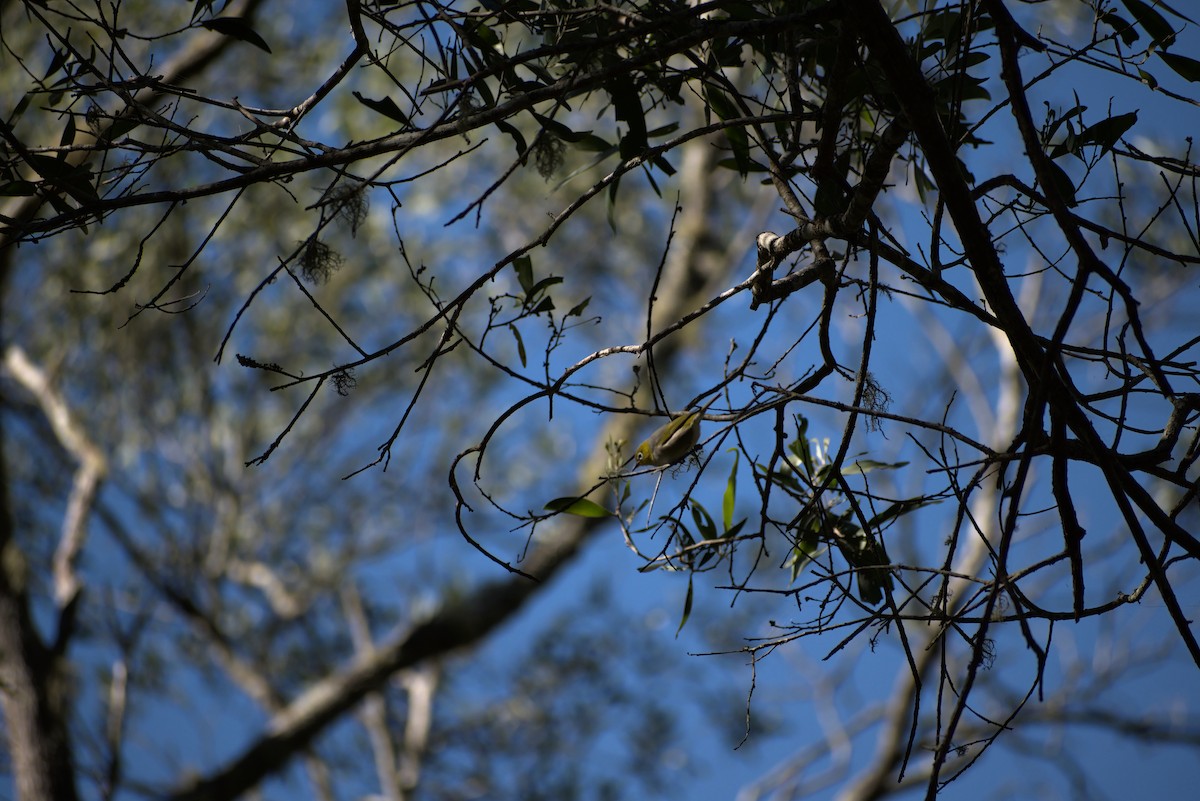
x=671 y=442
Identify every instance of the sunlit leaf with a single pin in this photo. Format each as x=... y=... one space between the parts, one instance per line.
x=580 y=507
x=727 y=502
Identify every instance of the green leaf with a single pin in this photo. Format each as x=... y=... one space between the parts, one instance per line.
x=512 y=131
x=68 y=134
x=650 y=178
x=704 y=521
x=863 y=466
x=559 y=130
x=595 y=144
x=661 y=162
x=663 y=130
x=118 y=127
x=236 y=28
x=1106 y=132
x=611 y=207
x=1120 y=25
x=972 y=59
x=1187 y=68
x=806 y=550
x=541 y=285
x=57 y=61
x=1163 y=4
x=485 y=92
x=742 y=168
x=19 y=109
x=523 y=265
x=943 y=26
x=899 y=509
x=784 y=478
x=74 y=179
x=739 y=143
x=1062 y=183
x=520 y=343
x=577 y=309
x=687 y=606
x=580 y=507
x=387 y=107
x=727 y=502
x=724 y=108
x=1161 y=32
x=1064 y=118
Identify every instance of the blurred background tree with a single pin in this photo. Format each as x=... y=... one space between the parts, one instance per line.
x=929 y=264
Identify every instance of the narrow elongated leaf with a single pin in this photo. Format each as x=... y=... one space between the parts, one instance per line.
x=578 y=308
x=727 y=501
x=1186 y=68
x=523 y=266
x=898 y=509
x=864 y=466
x=595 y=144
x=559 y=130
x=385 y=106
x=236 y=28
x=1062 y=182
x=1164 y=4
x=581 y=507
x=704 y=522
x=687 y=606
x=512 y=131
x=543 y=284
x=1107 y=132
x=1125 y=29
x=1161 y=32
x=520 y=344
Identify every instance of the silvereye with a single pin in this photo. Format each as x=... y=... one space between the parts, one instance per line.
x=671 y=442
